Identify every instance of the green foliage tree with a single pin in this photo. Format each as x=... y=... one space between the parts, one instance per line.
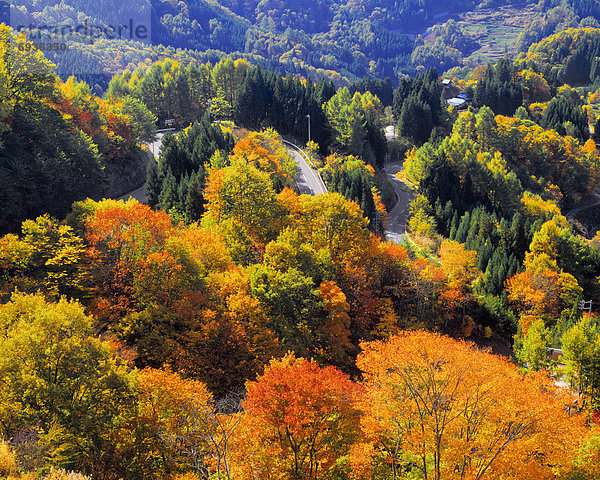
x=581 y=349
x=62 y=383
x=245 y=195
x=533 y=350
x=355 y=180
x=178 y=180
x=566 y=118
x=294 y=304
x=143 y=122
x=499 y=89
x=357 y=122
x=418 y=106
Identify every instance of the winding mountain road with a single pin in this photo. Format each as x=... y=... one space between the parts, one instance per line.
x=585 y=230
x=571 y=213
x=140 y=193
x=395 y=230
x=308 y=180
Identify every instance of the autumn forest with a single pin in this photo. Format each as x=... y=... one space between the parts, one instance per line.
x=433 y=315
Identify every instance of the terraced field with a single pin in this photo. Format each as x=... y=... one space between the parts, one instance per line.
x=497 y=30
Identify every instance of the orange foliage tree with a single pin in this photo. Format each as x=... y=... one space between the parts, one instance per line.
x=459 y=266
x=442 y=409
x=265 y=151
x=102 y=119
x=120 y=237
x=427 y=282
x=544 y=290
x=534 y=294
x=189 y=421
x=301 y=418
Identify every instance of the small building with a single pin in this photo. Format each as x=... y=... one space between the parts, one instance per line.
x=555 y=354
x=390 y=132
x=457 y=102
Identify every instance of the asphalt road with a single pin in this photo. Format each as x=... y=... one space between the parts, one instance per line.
x=140 y=193
x=155 y=145
x=399 y=214
x=308 y=180
x=590 y=204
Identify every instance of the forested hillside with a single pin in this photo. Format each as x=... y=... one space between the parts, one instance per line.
x=59 y=142
x=503 y=184
x=232 y=327
x=341 y=40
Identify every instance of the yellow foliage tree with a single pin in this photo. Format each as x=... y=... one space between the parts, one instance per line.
x=441 y=409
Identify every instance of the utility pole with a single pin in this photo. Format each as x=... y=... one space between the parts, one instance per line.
x=309 y=143
x=154 y=142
